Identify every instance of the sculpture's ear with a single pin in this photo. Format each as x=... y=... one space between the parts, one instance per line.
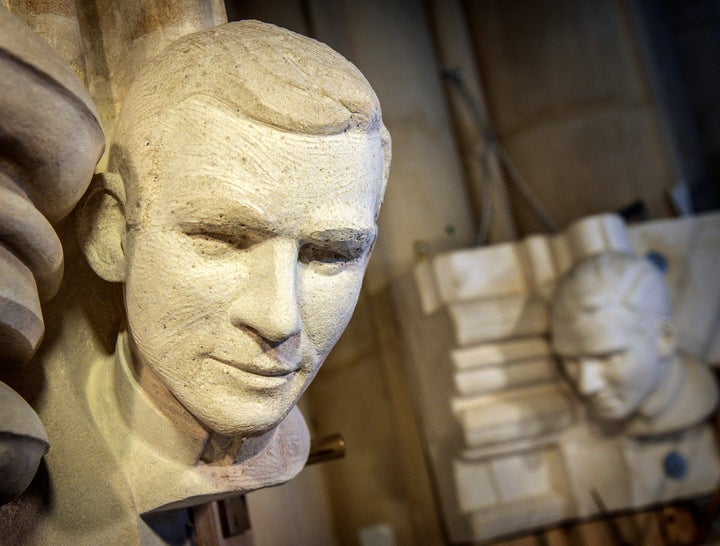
x=667 y=338
x=101 y=226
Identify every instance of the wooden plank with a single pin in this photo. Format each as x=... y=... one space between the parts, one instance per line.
x=556 y=537
x=571 y=104
x=522 y=541
x=546 y=58
x=488 y=187
x=649 y=531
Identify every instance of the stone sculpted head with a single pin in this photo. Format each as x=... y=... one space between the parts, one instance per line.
x=249 y=167
x=611 y=326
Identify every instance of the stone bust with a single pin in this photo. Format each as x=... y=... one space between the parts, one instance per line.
x=234 y=222
x=611 y=325
x=246 y=174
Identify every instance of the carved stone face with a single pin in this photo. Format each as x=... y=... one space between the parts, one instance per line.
x=246 y=262
x=613 y=362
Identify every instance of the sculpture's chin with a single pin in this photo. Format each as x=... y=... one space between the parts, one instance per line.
x=242 y=430
x=241 y=419
x=609 y=410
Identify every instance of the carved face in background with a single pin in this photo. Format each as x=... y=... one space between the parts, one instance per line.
x=611 y=330
x=254 y=162
x=612 y=362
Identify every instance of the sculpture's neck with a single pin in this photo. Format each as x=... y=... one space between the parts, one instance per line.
x=686 y=396
x=150 y=410
x=665 y=393
x=168 y=459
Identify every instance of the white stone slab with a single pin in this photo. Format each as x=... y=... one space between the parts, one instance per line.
x=510 y=416
x=540 y=263
x=649 y=483
x=561 y=253
x=495 y=378
x=596 y=234
x=692 y=248
x=498 y=319
x=533 y=513
x=475 y=487
x=594 y=465
x=480 y=273
x=425 y=282
x=501 y=352
x=522 y=476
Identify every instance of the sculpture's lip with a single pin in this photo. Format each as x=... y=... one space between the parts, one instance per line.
x=604 y=405
x=272 y=370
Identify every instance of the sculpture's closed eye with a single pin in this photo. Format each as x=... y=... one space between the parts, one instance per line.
x=312 y=253
x=216 y=243
x=328 y=260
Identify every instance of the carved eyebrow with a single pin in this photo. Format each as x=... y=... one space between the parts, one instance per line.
x=220 y=210
x=240 y=216
x=351 y=239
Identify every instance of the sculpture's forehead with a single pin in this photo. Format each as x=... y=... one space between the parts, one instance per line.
x=204 y=139
x=217 y=160
x=595 y=332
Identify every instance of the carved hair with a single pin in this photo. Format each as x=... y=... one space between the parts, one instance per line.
x=612 y=279
x=255 y=70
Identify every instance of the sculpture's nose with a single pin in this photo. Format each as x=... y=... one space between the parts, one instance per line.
x=268 y=302
x=590 y=376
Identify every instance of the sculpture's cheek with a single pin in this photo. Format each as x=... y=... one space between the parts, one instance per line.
x=327 y=304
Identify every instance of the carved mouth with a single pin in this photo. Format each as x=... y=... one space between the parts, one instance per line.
x=269 y=369
x=605 y=406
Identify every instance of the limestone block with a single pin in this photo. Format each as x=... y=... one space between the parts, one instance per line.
x=595 y=465
x=238 y=208
x=533 y=513
x=23 y=441
x=514 y=374
x=691 y=247
x=524 y=475
x=595 y=234
x=633 y=431
x=484 y=272
x=21 y=322
x=429 y=297
x=515 y=415
x=50 y=141
x=515 y=478
x=492 y=319
x=646 y=461
x=499 y=353
x=540 y=263
x=475 y=485
x=530 y=487
x=46 y=108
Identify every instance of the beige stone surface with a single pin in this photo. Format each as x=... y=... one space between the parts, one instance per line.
x=566 y=88
x=691 y=247
x=494 y=354
x=50 y=140
x=612 y=328
x=23 y=442
x=505 y=417
x=528 y=441
x=56 y=21
x=240 y=264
